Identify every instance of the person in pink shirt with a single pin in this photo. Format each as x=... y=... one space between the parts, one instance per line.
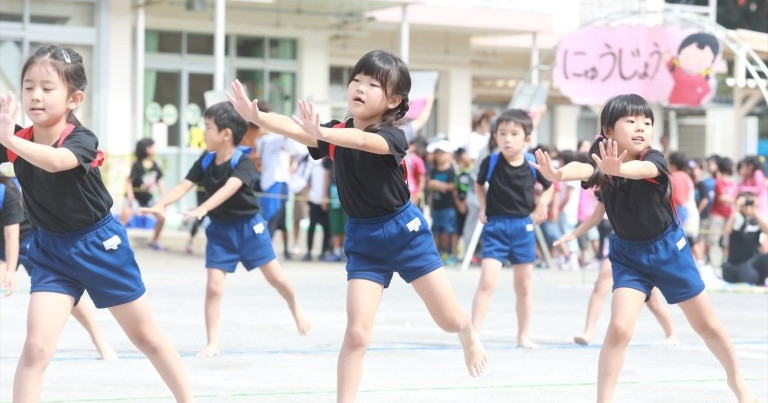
x=417 y=174
x=725 y=194
x=753 y=181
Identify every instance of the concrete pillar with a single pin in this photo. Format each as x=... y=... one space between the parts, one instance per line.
x=565 y=127
x=719 y=133
x=314 y=70
x=119 y=135
x=453 y=96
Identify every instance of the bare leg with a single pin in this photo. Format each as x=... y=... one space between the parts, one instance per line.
x=214 y=289
x=700 y=314
x=160 y=220
x=625 y=306
x=136 y=320
x=523 y=303
x=46 y=316
x=363 y=298
x=276 y=278
x=601 y=289
x=437 y=293
x=660 y=311
x=82 y=312
x=490 y=269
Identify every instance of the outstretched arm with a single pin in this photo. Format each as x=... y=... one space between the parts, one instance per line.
x=171 y=197
x=570 y=172
x=43 y=156
x=358 y=139
x=593 y=220
x=225 y=192
x=272 y=122
x=611 y=163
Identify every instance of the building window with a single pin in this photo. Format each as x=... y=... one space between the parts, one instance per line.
x=162 y=42
x=248 y=46
x=281 y=48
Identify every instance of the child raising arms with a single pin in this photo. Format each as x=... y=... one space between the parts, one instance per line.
x=78 y=246
x=649 y=248
x=506 y=210
x=385 y=232
x=237 y=233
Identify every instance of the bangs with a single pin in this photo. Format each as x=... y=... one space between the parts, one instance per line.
x=625 y=105
x=379 y=65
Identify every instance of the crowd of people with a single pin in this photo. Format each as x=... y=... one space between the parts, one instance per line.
x=387 y=204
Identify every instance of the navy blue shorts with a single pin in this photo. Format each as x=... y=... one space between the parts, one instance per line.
x=23 y=252
x=399 y=242
x=444 y=221
x=98 y=259
x=245 y=240
x=665 y=262
x=509 y=238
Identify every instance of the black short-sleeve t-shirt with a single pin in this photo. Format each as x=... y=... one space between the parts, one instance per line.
x=144 y=181
x=443 y=200
x=13 y=213
x=370 y=185
x=69 y=200
x=639 y=209
x=510 y=191
x=241 y=204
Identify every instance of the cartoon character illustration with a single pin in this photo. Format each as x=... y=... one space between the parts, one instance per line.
x=691 y=69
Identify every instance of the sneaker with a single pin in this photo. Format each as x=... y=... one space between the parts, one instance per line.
x=450 y=260
x=156 y=246
x=331 y=257
x=573 y=263
x=307 y=257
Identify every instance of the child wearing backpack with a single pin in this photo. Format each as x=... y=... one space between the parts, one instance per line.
x=237 y=233
x=505 y=209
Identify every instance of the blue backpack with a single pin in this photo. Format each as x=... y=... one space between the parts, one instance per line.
x=239 y=151
x=495 y=160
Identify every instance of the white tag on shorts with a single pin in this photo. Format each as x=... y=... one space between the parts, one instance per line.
x=529 y=227
x=112 y=242
x=681 y=243
x=414 y=225
x=259 y=228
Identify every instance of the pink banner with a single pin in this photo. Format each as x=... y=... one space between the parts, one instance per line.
x=663 y=64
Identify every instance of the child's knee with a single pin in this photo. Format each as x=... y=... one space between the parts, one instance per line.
x=37 y=353
x=357 y=337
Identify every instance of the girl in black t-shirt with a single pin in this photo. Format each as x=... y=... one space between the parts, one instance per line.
x=16 y=236
x=145 y=178
x=79 y=245
x=385 y=232
x=649 y=248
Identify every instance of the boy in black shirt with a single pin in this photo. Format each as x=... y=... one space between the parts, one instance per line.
x=506 y=209
x=237 y=232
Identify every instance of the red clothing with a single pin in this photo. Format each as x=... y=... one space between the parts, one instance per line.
x=724 y=187
x=689 y=89
x=416 y=168
x=682 y=186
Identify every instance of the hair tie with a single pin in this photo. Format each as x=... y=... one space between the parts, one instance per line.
x=66 y=56
x=599 y=136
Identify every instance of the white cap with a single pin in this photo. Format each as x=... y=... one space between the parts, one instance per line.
x=442 y=145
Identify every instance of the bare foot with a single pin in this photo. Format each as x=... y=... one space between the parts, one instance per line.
x=474 y=353
x=208 y=352
x=301 y=322
x=525 y=342
x=107 y=353
x=671 y=341
x=582 y=339
x=742 y=391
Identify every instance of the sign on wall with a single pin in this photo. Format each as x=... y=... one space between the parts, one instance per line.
x=664 y=64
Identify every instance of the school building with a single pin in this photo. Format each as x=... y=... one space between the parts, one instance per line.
x=153 y=64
